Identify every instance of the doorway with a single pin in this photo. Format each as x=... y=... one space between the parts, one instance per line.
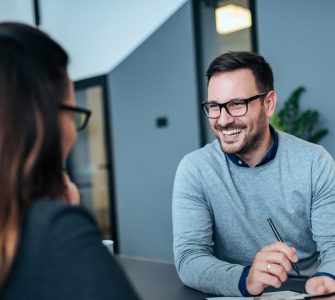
x=90 y=163
x=210 y=42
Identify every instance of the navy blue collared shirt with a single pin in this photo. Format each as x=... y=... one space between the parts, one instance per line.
x=268 y=157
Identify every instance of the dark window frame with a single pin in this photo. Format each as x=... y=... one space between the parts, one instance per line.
x=102 y=81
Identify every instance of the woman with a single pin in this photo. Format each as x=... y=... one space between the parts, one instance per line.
x=48 y=250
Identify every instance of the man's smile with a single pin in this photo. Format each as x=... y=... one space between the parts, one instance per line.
x=231 y=132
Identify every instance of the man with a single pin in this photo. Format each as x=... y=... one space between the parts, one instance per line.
x=224 y=193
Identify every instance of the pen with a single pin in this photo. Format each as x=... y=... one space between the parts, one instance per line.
x=278 y=237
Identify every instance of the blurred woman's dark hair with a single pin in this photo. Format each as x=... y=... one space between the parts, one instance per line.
x=33 y=82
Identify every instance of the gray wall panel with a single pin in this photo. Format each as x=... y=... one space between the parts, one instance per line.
x=297 y=38
x=156 y=80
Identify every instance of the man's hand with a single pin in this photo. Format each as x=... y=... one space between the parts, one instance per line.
x=270 y=267
x=320 y=285
x=71 y=193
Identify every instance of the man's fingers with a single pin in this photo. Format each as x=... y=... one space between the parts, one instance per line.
x=269 y=280
x=270 y=267
x=290 y=252
x=276 y=270
x=263 y=258
x=320 y=285
x=279 y=259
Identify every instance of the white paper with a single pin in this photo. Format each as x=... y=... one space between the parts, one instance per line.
x=287 y=295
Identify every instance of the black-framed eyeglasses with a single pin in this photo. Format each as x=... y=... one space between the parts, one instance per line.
x=234 y=107
x=81 y=115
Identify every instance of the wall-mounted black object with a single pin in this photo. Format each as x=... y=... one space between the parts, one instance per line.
x=162 y=122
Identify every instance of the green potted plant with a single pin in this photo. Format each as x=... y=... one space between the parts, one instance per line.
x=302 y=124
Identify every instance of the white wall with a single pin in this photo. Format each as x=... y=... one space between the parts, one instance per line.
x=297 y=38
x=100 y=34
x=18 y=10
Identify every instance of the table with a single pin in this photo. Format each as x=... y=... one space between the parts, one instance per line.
x=159 y=281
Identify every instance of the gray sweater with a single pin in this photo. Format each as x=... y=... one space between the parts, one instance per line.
x=220 y=212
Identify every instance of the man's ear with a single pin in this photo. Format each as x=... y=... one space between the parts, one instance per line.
x=270 y=103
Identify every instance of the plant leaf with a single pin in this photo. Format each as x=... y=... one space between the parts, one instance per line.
x=301 y=124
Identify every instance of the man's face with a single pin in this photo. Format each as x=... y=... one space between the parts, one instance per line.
x=239 y=135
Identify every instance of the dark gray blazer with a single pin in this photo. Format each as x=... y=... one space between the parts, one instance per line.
x=61 y=256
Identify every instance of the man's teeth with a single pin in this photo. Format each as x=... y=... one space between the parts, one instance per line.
x=231 y=132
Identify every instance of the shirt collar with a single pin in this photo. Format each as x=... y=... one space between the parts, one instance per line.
x=267 y=158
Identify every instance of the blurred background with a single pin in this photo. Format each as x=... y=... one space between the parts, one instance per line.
x=140 y=67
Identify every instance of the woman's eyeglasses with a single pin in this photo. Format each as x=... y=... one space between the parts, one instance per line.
x=81 y=115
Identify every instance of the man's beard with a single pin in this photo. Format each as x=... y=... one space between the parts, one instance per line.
x=251 y=142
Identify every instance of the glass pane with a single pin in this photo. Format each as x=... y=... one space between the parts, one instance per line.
x=88 y=160
x=214 y=44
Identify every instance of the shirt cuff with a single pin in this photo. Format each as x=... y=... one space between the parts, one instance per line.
x=242 y=284
x=323 y=274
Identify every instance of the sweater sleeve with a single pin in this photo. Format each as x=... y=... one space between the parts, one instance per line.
x=74 y=264
x=323 y=211
x=193 y=238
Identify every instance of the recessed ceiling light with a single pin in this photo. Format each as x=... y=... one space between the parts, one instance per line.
x=231 y=18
